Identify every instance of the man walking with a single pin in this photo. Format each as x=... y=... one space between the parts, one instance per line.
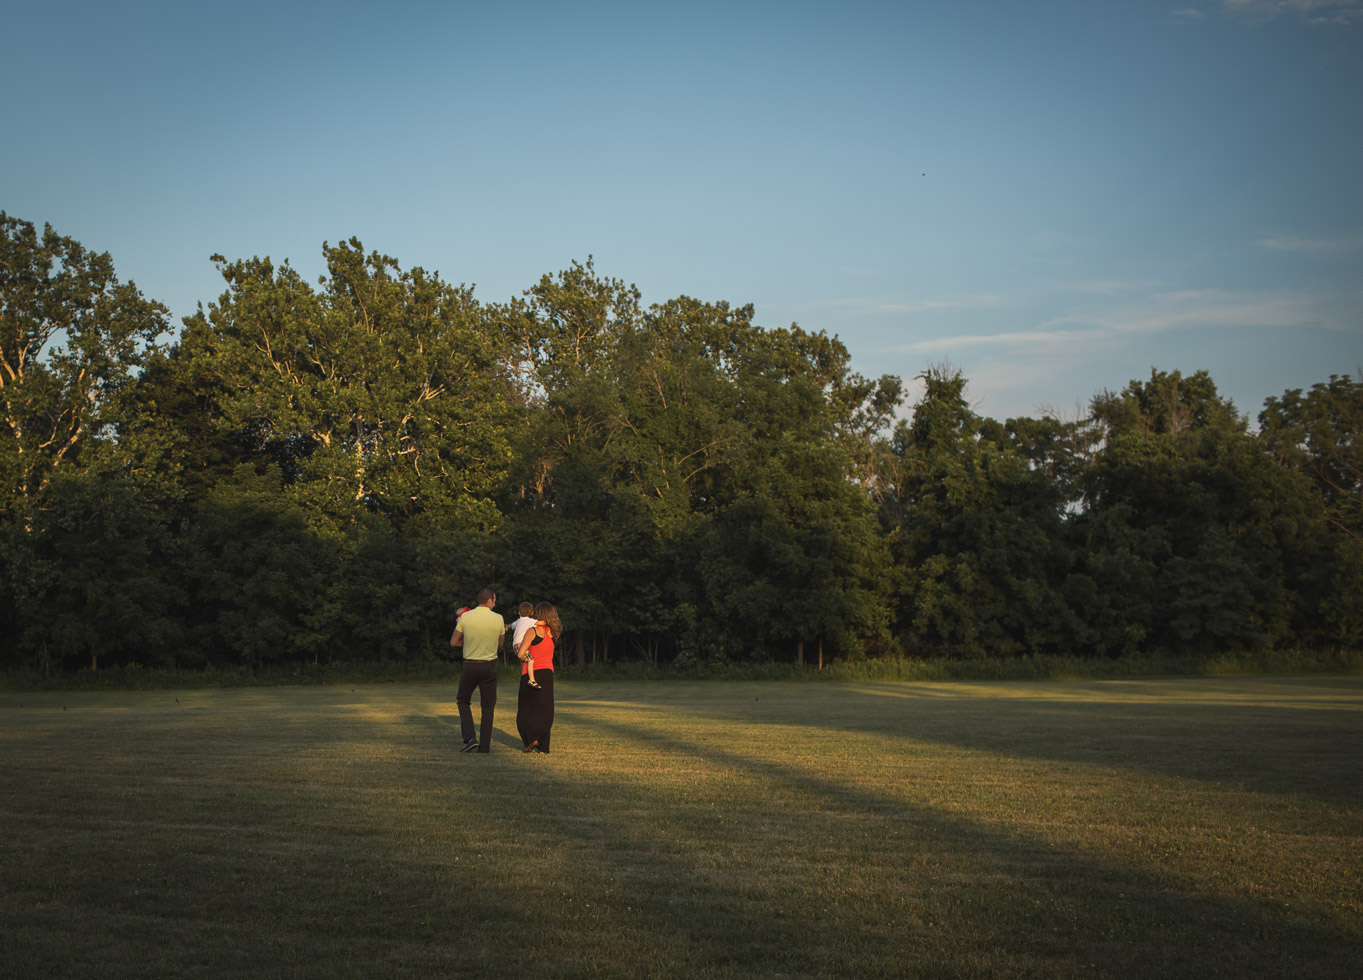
x=479 y=632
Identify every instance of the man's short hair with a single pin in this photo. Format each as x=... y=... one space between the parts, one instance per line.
x=484 y=595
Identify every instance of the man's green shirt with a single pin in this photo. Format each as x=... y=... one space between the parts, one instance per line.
x=482 y=628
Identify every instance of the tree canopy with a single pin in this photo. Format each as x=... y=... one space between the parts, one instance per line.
x=326 y=472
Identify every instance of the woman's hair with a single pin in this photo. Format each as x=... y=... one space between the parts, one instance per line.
x=526 y=608
x=546 y=612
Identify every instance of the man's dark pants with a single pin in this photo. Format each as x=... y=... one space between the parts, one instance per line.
x=481 y=674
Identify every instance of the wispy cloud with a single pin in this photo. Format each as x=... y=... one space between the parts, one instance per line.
x=1100 y=343
x=1188 y=13
x=865 y=306
x=1210 y=308
x=1339 y=12
x=1294 y=243
x=1160 y=313
x=1108 y=287
x=1013 y=339
x=936 y=305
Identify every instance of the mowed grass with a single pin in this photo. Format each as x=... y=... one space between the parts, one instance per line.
x=1161 y=828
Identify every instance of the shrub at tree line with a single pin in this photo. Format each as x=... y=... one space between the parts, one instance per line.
x=313 y=475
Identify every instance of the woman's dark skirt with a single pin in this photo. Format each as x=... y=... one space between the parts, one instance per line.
x=535 y=710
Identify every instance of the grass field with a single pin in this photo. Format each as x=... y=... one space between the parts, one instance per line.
x=1184 y=828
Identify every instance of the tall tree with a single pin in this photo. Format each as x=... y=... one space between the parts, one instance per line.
x=1319 y=434
x=978 y=533
x=1187 y=523
x=653 y=431
x=561 y=341
x=381 y=393
x=94 y=579
x=72 y=337
x=1167 y=404
x=262 y=579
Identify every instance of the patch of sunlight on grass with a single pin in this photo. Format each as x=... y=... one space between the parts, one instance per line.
x=1187 y=827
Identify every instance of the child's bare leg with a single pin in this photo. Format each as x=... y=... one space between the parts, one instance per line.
x=530 y=672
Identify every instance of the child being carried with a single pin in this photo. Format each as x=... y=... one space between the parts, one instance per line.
x=525 y=621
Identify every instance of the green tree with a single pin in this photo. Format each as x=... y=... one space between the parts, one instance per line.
x=627 y=421
x=72 y=337
x=1319 y=434
x=978 y=533
x=793 y=557
x=794 y=562
x=382 y=393
x=1189 y=528
x=647 y=426
x=374 y=595
x=262 y=581
x=1167 y=404
x=91 y=580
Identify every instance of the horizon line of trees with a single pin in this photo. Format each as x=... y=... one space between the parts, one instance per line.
x=325 y=473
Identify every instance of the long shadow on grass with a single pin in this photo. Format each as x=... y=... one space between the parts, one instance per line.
x=447 y=729
x=275 y=833
x=406 y=858
x=1221 y=735
x=1070 y=913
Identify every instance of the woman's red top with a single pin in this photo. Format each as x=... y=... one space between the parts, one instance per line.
x=542 y=650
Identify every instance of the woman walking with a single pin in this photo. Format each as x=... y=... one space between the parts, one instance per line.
x=535 y=704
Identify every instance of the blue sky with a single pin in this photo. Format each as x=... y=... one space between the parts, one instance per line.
x=1053 y=197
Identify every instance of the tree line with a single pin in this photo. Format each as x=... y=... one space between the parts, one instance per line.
x=324 y=473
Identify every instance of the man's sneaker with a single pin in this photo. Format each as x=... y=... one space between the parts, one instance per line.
x=470 y=745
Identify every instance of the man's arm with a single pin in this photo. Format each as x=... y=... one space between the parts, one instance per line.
x=457 y=640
